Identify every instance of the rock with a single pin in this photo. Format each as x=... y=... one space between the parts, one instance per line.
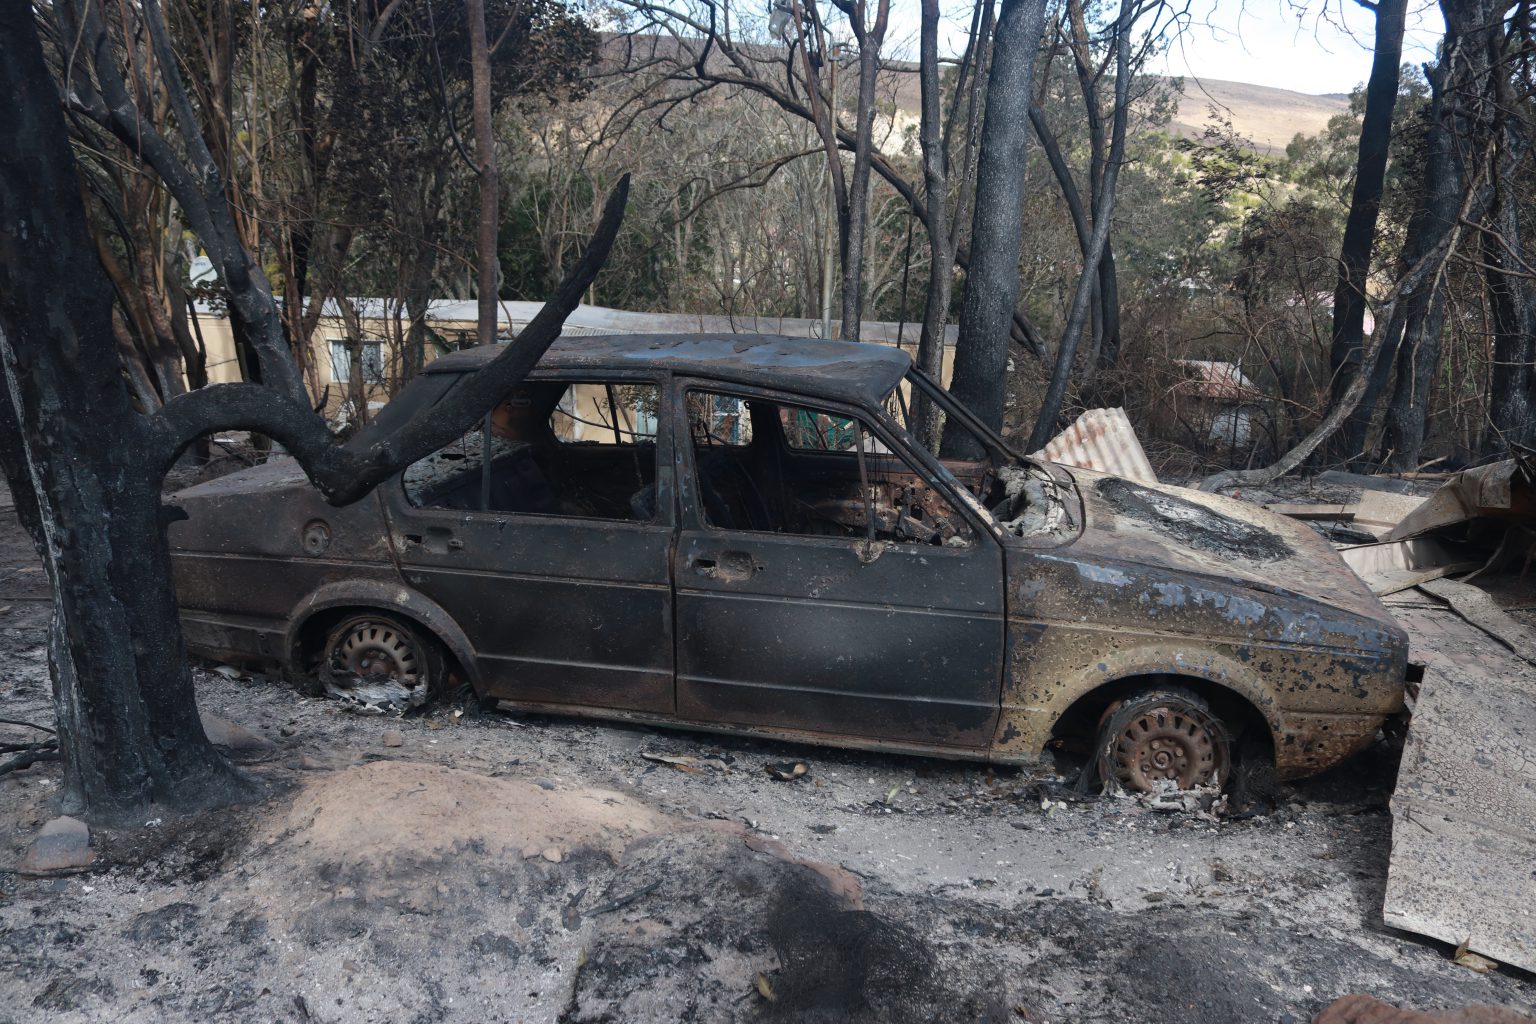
x=553 y=855
x=392 y=739
x=287 y=730
x=224 y=733
x=311 y=764
x=62 y=844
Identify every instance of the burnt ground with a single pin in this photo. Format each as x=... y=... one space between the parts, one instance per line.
x=500 y=868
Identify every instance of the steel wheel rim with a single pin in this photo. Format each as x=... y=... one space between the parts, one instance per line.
x=1165 y=744
x=378 y=652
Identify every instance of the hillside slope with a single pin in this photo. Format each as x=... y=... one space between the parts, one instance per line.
x=1268 y=116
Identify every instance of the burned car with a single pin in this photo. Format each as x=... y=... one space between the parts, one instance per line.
x=740 y=533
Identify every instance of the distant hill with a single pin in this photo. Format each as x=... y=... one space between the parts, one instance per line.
x=1270 y=117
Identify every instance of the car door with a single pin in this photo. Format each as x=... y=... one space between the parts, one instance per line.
x=556 y=563
x=795 y=610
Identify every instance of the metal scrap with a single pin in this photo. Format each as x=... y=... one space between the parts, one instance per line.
x=1482 y=611
x=1501 y=491
x=1462 y=841
x=1102 y=440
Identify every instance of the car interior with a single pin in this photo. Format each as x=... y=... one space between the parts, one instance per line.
x=588 y=450
x=556 y=448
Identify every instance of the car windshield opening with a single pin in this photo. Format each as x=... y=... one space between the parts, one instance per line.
x=1021 y=495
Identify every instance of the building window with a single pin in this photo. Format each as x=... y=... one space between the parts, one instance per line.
x=341 y=362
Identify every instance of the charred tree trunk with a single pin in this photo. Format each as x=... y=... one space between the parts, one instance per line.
x=197 y=185
x=1360 y=227
x=128 y=725
x=1416 y=354
x=87 y=468
x=992 y=284
x=1418 y=359
x=1106 y=295
x=1512 y=305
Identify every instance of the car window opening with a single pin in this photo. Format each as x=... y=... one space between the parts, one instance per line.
x=582 y=450
x=772 y=467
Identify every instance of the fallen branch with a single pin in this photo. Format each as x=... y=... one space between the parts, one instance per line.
x=42 y=752
x=623 y=901
x=26 y=725
x=345 y=473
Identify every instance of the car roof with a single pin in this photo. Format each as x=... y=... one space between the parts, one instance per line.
x=840 y=370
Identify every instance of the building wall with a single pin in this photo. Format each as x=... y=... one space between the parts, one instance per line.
x=224 y=367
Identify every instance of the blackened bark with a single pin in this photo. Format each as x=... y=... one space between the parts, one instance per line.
x=1418 y=359
x=1349 y=295
x=198 y=185
x=1415 y=355
x=129 y=730
x=1511 y=305
x=992 y=285
x=128 y=726
x=1109 y=309
x=346 y=473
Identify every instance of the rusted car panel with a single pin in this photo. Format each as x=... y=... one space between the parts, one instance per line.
x=1168 y=581
x=863 y=594
x=251 y=524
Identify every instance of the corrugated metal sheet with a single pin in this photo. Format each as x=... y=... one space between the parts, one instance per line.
x=1101 y=439
x=1463 y=864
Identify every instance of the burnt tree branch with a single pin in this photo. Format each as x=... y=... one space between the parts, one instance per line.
x=346 y=473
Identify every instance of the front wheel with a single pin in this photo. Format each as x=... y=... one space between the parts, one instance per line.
x=1161 y=735
x=378 y=659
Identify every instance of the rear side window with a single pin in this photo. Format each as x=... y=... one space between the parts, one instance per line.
x=583 y=450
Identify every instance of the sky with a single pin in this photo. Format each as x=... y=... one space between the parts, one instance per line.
x=1310 y=46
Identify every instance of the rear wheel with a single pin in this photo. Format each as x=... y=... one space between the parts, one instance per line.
x=1160 y=735
x=378 y=659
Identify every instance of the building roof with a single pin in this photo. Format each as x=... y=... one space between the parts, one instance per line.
x=838 y=370
x=1224 y=382
x=586 y=319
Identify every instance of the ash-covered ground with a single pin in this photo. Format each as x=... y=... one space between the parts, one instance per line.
x=453 y=866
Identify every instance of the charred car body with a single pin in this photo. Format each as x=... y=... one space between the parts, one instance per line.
x=739 y=533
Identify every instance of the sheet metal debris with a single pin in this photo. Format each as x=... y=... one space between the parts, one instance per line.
x=1102 y=440
x=1419 y=555
x=1463 y=863
x=1482 y=611
x=1502 y=491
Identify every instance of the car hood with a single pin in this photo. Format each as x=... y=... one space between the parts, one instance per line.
x=1193 y=532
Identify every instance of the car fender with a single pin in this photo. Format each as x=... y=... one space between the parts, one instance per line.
x=1040 y=693
x=384 y=596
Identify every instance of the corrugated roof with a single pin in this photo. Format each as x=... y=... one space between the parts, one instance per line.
x=1104 y=440
x=1213 y=379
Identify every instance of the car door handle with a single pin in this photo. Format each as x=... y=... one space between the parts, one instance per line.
x=435 y=540
x=731 y=566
